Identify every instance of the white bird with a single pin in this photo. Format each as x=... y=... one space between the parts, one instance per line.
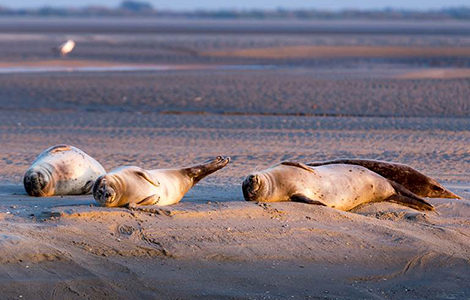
x=66 y=47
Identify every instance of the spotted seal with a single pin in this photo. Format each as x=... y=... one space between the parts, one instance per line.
x=62 y=170
x=339 y=186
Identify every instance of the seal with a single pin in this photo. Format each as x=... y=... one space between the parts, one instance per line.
x=62 y=170
x=134 y=186
x=411 y=179
x=339 y=186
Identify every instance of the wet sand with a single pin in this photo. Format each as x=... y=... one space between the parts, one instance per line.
x=213 y=244
x=344 y=51
x=272 y=91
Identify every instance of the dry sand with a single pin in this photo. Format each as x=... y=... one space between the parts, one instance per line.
x=215 y=245
x=67 y=248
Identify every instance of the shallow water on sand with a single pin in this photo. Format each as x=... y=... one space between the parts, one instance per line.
x=126 y=68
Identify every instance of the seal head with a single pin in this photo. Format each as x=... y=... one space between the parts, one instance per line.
x=105 y=191
x=253 y=188
x=38 y=182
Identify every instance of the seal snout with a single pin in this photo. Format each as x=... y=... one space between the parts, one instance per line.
x=35 y=183
x=103 y=193
x=250 y=186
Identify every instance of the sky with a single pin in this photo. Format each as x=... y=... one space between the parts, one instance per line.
x=250 y=4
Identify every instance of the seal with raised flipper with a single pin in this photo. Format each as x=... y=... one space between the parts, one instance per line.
x=411 y=179
x=62 y=170
x=339 y=186
x=134 y=186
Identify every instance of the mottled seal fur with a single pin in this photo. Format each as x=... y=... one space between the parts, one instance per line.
x=339 y=186
x=413 y=180
x=62 y=170
x=133 y=186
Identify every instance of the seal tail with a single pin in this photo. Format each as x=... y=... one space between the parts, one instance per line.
x=407 y=198
x=198 y=172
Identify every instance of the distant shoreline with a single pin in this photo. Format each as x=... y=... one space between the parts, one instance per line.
x=184 y=25
x=450 y=13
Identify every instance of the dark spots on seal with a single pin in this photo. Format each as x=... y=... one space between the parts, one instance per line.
x=63 y=170
x=371 y=186
x=350 y=170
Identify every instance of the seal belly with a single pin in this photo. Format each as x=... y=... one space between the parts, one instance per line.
x=173 y=184
x=345 y=187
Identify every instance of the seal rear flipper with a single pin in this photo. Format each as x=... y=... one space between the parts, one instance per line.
x=442 y=192
x=305 y=199
x=410 y=202
x=407 y=198
x=200 y=171
x=413 y=180
x=298 y=165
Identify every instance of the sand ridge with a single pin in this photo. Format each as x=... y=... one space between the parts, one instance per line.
x=379 y=249
x=233 y=231
x=436 y=74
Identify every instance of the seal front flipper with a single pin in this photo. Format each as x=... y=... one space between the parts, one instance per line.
x=150 y=200
x=407 y=198
x=145 y=175
x=88 y=186
x=305 y=199
x=298 y=165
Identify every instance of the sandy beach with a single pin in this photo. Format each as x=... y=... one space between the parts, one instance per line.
x=259 y=111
